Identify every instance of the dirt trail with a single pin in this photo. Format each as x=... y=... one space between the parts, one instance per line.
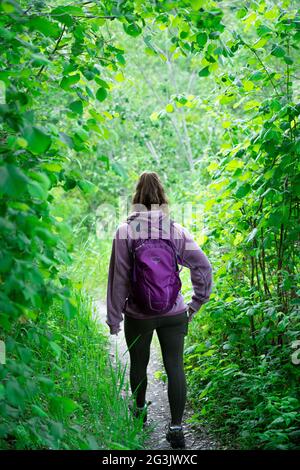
x=158 y=414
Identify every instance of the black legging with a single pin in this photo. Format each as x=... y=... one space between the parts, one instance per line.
x=171 y=332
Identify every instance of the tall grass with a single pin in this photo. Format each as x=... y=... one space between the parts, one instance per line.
x=80 y=404
x=91 y=379
x=89 y=270
x=97 y=384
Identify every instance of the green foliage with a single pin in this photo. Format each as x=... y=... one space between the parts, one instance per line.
x=101 y=94
x=58 y=395
x=244 y=384
x=213 y=106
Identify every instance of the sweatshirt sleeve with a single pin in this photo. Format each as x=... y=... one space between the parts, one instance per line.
x=118 y=280
x=191 y=256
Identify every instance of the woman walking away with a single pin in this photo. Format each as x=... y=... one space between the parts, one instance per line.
x=144 y=284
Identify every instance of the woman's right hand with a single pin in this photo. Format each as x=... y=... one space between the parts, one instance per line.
x=190 y=314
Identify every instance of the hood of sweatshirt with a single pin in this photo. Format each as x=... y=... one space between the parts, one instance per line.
x=149 y=224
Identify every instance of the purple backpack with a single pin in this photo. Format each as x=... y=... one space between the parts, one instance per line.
x=155 y=274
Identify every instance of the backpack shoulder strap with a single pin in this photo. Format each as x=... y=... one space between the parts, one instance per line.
x=177 y=256
x=131 y=242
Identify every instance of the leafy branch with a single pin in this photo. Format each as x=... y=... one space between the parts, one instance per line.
x=54 y=50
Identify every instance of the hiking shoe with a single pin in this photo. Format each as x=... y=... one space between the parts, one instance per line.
x=140 y=412
x=175 y=436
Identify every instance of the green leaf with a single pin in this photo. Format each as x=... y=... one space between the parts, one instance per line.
x=268 y=174
x=70 y=183
x=133 y=30
x=70 y=309
x=87 y=186
x=183 y=34
x=243 y=190
x=48 y=237
x=8 y=7
x=288 y=60
x=14 y=393
x=76 y=107
x=234 y=164
x=201 y=39
x=56 y=348
x=6 y=34
x=63 y=405
x=248 y=85
x=241 y=13
x=52 y=167
x=41 y=178
x=101 y=82
x=39 y=185
x=13 y=182
x=119 y=169
x=6 y=259
x=278 y=51
x=68 y=81
x=69 y=9
x=2 y=391
x=25 y=354
x=39 y=59
x=104 y=159
x=46 y=383
x=256 y=76
x=66 y=139
x=44 y=26
x=101 y=94
x=37 y=411
x=38 y=141
x=64 y=14
x=57 y=429
x=196 y=4
x=204 y=72
x=262 y=30
x=121 y=59
x=82 y=134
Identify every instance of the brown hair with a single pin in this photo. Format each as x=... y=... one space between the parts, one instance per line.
x=149 y=190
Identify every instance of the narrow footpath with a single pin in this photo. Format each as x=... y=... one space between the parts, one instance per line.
x=196 y=436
